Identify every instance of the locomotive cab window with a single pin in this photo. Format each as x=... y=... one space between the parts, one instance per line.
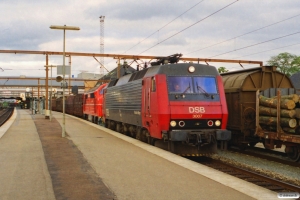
x=101 y=91
x=195 y=85
x=205 y=85
x=178 y=84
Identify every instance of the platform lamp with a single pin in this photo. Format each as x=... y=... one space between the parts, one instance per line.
x=72 y=28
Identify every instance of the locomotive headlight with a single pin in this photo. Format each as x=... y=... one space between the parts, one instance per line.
x=191 y=69
x=218 y=123
x=181 y=123
x=210 y=123
x=173 y=123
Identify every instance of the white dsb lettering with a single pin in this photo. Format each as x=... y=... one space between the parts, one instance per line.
x=196 y=110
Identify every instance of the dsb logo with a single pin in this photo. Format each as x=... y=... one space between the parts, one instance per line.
x=196 y=110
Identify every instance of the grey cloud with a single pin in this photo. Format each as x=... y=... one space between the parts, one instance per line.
x=26 y=26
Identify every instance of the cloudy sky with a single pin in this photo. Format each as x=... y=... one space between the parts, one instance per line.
x=219 y=29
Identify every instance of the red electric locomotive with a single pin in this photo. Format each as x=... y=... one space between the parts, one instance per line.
x=92 y=103
x=180 y=107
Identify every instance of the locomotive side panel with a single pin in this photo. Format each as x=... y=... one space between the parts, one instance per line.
x=89 y=104
x=123 y=103
x=99 y=100
x=93 y=103
x=155 y=105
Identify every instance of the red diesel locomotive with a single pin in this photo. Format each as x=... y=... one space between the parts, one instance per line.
x=93 y=102
x=180 y=107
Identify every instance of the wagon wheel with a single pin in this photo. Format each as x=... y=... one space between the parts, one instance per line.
x=119 y=127
x=150 y=140
x=294 y=153
x=107 y=124
x=252 y=144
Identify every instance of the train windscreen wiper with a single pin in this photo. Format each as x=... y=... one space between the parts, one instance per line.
x=182 y=94
x=199 y=88
x=188 y=88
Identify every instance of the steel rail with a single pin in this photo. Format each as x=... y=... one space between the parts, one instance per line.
x=5 y=115
x=251 y=176
x=263 y=154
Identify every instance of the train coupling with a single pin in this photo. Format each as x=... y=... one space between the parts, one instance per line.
x=199 y=139
x=191 y=137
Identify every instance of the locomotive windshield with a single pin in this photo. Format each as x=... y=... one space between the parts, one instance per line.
x=199 y=84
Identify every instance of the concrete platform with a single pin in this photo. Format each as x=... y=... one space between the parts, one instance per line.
x=23 y=170
x=129 y=168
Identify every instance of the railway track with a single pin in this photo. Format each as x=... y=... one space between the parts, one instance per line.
x=276 y=156
x=248 y=175
x=5 y=115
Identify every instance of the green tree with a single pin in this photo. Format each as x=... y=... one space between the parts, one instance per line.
x=286 y=63
x=222 y=70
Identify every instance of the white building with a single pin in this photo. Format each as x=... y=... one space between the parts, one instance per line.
x=91 y=76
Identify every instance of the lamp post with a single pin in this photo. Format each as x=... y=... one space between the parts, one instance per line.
x=50 y=102
x=74 y=28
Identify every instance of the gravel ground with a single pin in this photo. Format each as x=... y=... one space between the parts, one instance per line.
x=272 y=169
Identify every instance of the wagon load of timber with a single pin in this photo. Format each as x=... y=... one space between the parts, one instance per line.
x=285 y=103
x=295 y=131
x=273 y=112
x=297 y=110
x=293 y=97
x=272 y=121
x=289 y=114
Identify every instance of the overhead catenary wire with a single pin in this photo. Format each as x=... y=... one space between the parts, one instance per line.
x=244 y=34
x=190 y=26
x=165 y=25
x=256 y=44
x=266 y=51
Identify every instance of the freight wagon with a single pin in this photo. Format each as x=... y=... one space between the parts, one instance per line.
x=243 y=89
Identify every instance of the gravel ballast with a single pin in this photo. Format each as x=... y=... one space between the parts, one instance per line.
x=271 y=169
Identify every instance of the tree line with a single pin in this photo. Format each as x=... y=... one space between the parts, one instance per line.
x=286 y=63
